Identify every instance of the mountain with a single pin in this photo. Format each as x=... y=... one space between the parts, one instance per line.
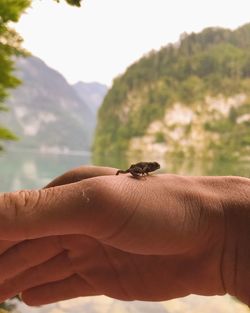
x=46 y=112
x=91 y=93
x=188 y=101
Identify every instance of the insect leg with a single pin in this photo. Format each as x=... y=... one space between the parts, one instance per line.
x=121 y=172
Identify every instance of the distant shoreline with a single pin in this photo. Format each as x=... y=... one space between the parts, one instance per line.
x=47 y=152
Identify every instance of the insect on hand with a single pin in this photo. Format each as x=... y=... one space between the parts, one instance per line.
x=140 y=169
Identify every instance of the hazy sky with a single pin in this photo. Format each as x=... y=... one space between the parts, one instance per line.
x=98 y=41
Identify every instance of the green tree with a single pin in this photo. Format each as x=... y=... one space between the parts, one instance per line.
x=73 y=2
x=10 y=46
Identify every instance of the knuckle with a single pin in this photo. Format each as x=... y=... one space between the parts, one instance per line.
x=16 y=202
x=15 y=207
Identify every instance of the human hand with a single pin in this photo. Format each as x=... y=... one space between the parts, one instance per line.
x=156 y=238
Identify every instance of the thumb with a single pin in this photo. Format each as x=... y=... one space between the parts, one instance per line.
x=68 y=209
x=80 y=173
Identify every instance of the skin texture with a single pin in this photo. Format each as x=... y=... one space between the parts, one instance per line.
x=90 y=232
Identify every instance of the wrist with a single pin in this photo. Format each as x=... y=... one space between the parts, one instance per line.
x=236 y=254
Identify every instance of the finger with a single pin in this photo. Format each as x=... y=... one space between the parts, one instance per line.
x=5 y=245
x=68 y=288
x=26 y=255
x=88 y=207
x=55 y=269
x=80 y=173
x=30 y=214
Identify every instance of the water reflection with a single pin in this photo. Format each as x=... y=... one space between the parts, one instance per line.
x=28 y=169
x=183 y=166
x=208 y=167
x=22 y=169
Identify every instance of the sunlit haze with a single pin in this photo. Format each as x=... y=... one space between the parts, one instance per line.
x=99 y=40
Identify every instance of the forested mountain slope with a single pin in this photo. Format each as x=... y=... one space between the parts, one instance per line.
x=47 y=113
x=190 y=99
x=91 y=93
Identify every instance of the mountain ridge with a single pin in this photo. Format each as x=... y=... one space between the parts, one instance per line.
x=134 y=119
x=46 y=112
x=91 y=93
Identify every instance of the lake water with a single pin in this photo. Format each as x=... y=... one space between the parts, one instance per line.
x=22 y=169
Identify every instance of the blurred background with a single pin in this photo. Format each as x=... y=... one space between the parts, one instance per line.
x=116 y=82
